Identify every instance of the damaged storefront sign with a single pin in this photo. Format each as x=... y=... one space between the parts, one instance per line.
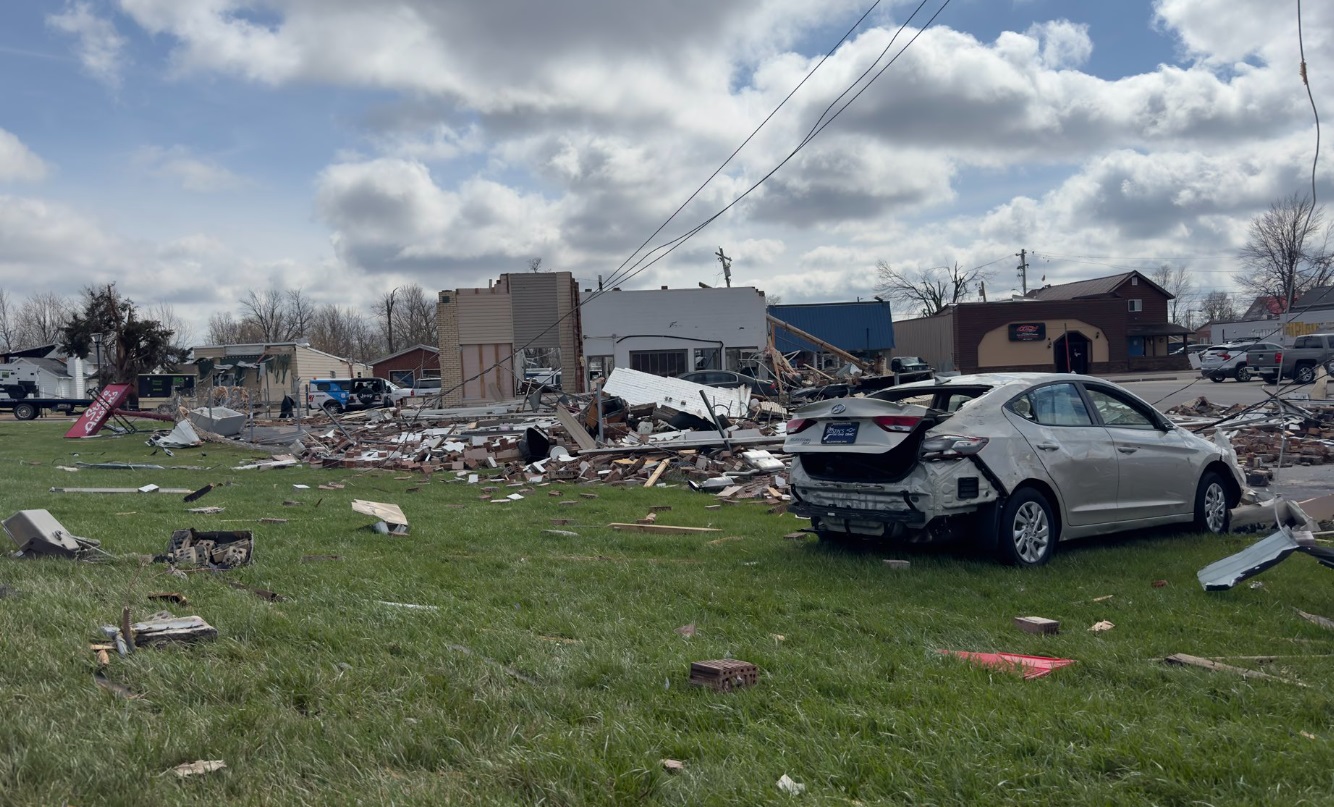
x=37 y=533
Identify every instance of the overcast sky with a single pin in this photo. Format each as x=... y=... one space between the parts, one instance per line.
x=192 y=150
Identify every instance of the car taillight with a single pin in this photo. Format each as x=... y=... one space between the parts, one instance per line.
x=798 y=425
x=896 y=423
x=952 y=445
x=1278 y=357
x=1224 y=356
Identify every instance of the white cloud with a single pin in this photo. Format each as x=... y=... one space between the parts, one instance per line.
x=100 y=46
x=1063 y=44
x=17 y=162
x=192 y=173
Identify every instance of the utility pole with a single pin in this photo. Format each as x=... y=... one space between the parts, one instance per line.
x=727 y=266
x=1022 y=255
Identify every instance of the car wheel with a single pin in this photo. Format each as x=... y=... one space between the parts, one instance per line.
x=1218 y=378
x=25 y=411
x=1211 y=511
x=1304 y=374
x=1243 y=373
x=1028 y=530
x=332 y=408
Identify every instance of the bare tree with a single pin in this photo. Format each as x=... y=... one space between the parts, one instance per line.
x=1287 y=250
x=534 y=264
x=182 y=331
x=926 y=290
x=416 y=317
x=268 y=310
x=1217 y=306
x=384 y=311
x=300 y=315
x=41 y=319
x=8 y=322
x=1176 y=280
x=340 y=331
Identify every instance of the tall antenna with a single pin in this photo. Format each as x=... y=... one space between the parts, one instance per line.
x=1022 y=255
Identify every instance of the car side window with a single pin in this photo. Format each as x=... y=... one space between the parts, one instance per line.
x=1053 y=405
x=1115 y=410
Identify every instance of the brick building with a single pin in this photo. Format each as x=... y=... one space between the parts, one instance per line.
x=1104 y=325
x=409 y=365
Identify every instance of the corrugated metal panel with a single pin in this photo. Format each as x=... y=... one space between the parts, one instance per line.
x=484 y=316
x=567 y=294
x=932 y=338
x=854 y=327
x=534 y=306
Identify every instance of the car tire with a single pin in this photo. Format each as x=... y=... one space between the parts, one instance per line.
x=25 y=411
x=1243 y=373
x=1304 y=374
x=1218 y=378
x=1211 y=511
x=1027 y=532
x=333 y=408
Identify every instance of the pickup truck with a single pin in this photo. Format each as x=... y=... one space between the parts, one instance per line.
x=1298 y=362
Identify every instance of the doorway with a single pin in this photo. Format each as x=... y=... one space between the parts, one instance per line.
x=1072 y=352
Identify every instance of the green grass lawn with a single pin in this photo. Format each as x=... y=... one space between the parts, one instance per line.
x=551 y=673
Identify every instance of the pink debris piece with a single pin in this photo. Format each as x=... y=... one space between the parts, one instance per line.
x=1028 y=666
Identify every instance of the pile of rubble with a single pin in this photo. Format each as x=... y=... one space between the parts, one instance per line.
x=638 y=432
x=1281 y=433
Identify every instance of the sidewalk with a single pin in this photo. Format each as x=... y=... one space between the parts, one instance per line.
x=1161 y=375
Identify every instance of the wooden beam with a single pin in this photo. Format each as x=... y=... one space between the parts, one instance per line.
x=663 y=528
x=576 y=431
x=657 y=474
x=1218 y=666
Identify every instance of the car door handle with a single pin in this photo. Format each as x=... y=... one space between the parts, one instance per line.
x=1127 y=449
x=1049 y=446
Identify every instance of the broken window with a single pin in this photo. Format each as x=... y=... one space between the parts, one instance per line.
x=402 y=378
x=708 y=358
x=659 y=362
x=743 y=360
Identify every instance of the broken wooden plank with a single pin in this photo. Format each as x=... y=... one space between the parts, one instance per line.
x=657 y=474
x=663 y=528
x=577 y=432
x=175 y=629
x=1037 y=624
x=1217 y=666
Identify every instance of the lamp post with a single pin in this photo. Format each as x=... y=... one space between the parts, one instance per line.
x=97 y=342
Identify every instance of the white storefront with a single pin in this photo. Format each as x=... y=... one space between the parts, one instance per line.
x=672 y=331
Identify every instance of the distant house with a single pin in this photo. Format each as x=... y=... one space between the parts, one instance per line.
x=270 y=371
x=1105 y=324
x=408 y=365
x=864 y=329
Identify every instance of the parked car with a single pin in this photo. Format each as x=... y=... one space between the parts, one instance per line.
x=1020 y=461
x=1221 y=362
x=732 y=379
x=336 y=395
x=1297 y=362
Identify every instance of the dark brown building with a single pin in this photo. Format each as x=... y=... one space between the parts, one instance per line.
x=1104 y=325
x=408 y=366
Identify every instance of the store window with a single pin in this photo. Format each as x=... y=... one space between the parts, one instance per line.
x=659 y=362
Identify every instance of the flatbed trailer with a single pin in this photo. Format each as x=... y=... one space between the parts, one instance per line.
x=30 y=408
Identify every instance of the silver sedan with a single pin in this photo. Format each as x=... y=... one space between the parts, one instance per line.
x=1016 y=461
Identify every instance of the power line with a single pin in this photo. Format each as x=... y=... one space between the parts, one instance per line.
x=641 y=264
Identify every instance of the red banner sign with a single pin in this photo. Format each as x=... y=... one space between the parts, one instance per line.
x=95 y=416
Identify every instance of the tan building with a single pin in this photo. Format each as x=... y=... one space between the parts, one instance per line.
x=270 y=371
x=523 y=326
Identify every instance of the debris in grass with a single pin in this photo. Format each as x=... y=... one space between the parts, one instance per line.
x=273 y=521
x=778 y=637
x=1159 y=584
x=1308 y=735
x=1103 y=598
x=1217 y=666
x=198 y=768
x=891 y=563
x=119 y=690
x=164 y=628
x=723 y=675
x=215 y=550
x=198 y=494
x=676 y=765
x=1254 y=584
x=317 y=558
x=170 y=596
x=790 y=787
x=662 y=528
x=152 y=489
x=212 y=511
x=1037 y=624
x=1316 y=619
x=1228 y=572
x=1028 y=666
x=409 y=605
x=686 y=630
x=562 y=533
x=793 y=536
x=390 y=514
x=262 y=593
x=1099 y=627
x=37 y=533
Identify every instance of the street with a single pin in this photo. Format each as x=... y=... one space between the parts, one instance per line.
x=1166 y=394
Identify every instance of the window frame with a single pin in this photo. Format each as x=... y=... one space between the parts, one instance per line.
x=1125 y=400
x=1079 y=394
